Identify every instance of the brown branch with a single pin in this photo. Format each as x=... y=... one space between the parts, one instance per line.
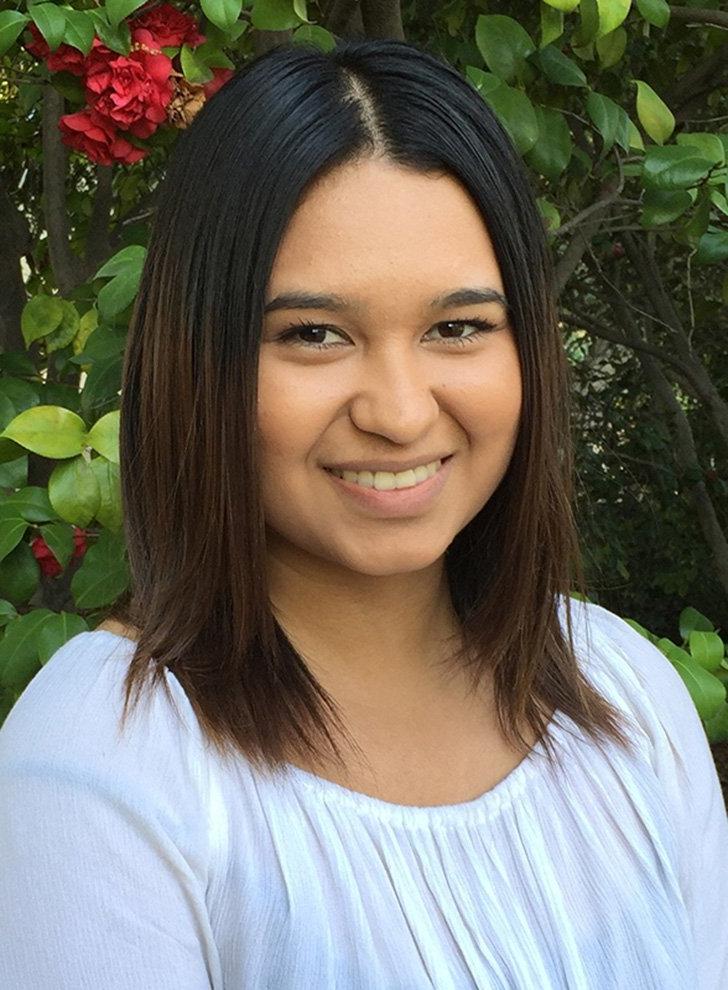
x=606 y=332
x=382 y=19
x=339 y=16
x=611 y=192
x=67 y=267
x=98 y=246
x=685 y=455
x=699 y=15
x=15 y=242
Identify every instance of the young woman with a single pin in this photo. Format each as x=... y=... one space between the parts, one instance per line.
x=378 y=751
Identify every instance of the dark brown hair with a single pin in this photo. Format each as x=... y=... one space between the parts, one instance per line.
x=194 y=524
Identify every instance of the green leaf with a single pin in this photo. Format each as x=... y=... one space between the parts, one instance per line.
x=710 y=146
x=558 y=68
x=610 y=120
x=516 y=113
x=68 y=329
x=707 y=648
x=19 y=575
x=50 y=431
x=19 y=660
x=552 y=24
x=661 y=206
x=194 y=70
x=611 y=14
x=654 y=115
x=551 y=153
x=698 y=223
x=300 y=7
x=73 y=491
x=503 y=43
x=274 y=15
x=117 y=294
x=655 y=12
x=58 y=628
x=674 y=167
x=79 y=30
x=712 y=248
x=484 y=82
x=222 y=13
x=719 y=200
x=704 y=688
x=634 y=138
x=12 y=530
x=8 y=612
x=566 y=6
x=610 y=47
x=117 y=10
x=550 y=214
x=588 y=24
x=12 y=23
x=118 y=39
x=59 y=537
x=109 y=509
x=314 y=34
x=103 y=574
x=41 y=315
x=104 y=436
x=30 y=502
x=50 y=21
x=129 y=258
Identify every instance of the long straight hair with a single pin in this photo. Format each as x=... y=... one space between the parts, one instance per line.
x=193 y=519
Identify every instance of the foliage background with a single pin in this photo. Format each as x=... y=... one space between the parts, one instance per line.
x=620 y=111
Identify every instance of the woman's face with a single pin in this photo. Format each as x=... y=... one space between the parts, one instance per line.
x=398 y=383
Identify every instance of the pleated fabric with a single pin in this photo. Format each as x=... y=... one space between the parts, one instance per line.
x=142 y=862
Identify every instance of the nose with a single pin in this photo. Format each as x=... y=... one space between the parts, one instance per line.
x=394 y=396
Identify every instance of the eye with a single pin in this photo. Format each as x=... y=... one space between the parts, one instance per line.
x=294 y=334
x=481 y=327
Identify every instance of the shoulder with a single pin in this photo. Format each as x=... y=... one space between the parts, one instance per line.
x=66 y=725
x=640 y=680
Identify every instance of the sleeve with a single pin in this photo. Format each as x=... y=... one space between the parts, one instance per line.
x=102 y=866
x=684 y=763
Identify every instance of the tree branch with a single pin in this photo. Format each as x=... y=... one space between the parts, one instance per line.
x=699 y=15
x=98 y=246
x=15 y=242
x=67 y=267
x=382 y=19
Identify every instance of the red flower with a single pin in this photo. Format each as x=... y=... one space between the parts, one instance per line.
x=49 y=566
x=66 y=58
x=98 y=139
x=132 y=91
x=220 y=77
x=169 y=26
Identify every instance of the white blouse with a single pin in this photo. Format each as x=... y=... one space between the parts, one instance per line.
x=144 y=862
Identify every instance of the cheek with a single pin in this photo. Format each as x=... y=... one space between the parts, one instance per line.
x=291 y=415
x=487 y=398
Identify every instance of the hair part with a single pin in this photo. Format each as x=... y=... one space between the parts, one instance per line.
x=194 y=524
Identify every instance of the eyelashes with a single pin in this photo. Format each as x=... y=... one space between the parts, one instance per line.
x=289 y=335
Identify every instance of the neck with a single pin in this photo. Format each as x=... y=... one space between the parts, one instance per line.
x=362 y=632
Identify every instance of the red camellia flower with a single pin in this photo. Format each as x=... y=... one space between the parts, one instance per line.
x=93 y=135
x=49 y=566
x=170 y=27
x=65 y=58
x=131 y=91
x=219 y=78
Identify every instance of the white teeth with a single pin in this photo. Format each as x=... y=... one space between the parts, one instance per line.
x=385 y=481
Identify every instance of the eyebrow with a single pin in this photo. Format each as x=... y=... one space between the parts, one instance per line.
x=336 y=304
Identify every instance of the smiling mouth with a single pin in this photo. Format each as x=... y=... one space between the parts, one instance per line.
x=385 y=481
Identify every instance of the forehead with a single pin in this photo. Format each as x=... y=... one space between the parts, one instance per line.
x=371 y=224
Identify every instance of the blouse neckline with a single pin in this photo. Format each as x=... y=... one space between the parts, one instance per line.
x=479 y=808
x=482 y=807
